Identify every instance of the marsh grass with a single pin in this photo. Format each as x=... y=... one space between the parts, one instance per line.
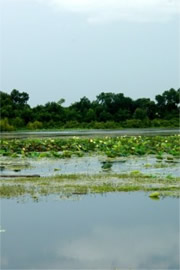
x=10 y=191
x=81 y=184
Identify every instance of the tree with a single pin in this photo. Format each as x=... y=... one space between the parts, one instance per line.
x=90 y=115
x=19 y=98
x=168 y=103
x=61 y=101
x=106 y=107
x=140 y=114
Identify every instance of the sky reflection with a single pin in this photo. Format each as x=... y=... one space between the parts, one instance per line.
x=106 y=232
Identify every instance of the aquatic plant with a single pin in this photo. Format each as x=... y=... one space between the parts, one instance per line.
x=109 y=146
x=154 y=195
x=106 y=165
x=79 y=184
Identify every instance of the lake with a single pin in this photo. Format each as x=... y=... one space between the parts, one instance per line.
x=88 y=165
x=92 y=133
x=112 y=231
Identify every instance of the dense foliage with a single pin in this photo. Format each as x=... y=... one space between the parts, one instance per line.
x=109 y=110
x=111 y=147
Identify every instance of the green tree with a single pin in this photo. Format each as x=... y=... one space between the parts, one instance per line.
x=140 y=114
x=19 y=98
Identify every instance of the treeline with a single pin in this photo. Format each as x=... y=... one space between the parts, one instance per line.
x=109 y=110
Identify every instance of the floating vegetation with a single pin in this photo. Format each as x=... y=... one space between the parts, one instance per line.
x=13 y=165
x=170 y=158
x=159 y=157
x=158 y=165
x=106 y=166
x=135 y=173
x=154 y=195
x=57 y=169
x=109 y=146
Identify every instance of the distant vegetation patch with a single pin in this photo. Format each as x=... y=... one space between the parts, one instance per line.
x=107 y=111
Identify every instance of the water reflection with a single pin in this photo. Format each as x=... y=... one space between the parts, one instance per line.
x=89 y=165
x=91 y=133
x=106 y=232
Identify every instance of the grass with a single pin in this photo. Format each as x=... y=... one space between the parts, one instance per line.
x=79 y=184
x=9 y=191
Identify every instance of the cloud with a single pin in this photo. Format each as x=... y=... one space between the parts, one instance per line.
x=123 y=248
x=100 y=11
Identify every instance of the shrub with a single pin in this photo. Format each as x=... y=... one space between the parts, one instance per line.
x=71 y=124
x=5 y=126
x=133 y=123
x=18 y=122
x=111 y=124
x=34 y=125
x=98 y=125
x=165 y=123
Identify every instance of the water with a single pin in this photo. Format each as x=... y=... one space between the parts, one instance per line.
x=115 y=231
x=92 y=133
x=88 y=165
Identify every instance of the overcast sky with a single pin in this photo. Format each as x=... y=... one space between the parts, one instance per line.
x=68 y=49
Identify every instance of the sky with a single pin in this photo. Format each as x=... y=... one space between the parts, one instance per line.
x=55 y=49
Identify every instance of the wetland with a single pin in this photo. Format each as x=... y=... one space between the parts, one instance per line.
x=89 y=165
x=84 y=202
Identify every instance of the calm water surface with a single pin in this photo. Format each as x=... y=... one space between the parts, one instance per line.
x=92 y=133
x=120 y=230
x=88 y=165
